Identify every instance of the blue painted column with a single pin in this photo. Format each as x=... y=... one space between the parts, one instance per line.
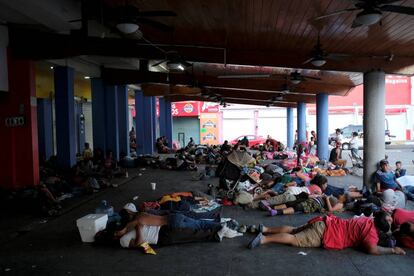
x=168 y=123
x=322 y=122
x=166 y=120
x=289 y=123
x=98 y=114
x=301 y=110
x=149 y=124
x=80 y=127
x=45 y=128
x=139 y=120
x=123 y=120
x=155 y=121
x=65 y=116
x=112 y=120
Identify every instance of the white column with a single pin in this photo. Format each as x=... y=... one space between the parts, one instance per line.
x=374 y=117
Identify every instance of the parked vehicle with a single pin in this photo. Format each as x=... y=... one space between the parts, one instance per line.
x=347 y=135
x=253 y=140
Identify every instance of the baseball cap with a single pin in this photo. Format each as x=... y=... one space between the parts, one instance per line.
x=383 y=162
x=130 y=207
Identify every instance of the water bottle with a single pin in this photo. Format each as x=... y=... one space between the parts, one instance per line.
x=104 y=208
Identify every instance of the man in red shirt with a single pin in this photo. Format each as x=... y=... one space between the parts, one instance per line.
x=332 y=233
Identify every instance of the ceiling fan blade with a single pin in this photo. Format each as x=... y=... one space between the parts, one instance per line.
x=156 y=13
x=337 y=56
x=381 y=2
x=398 y=9
x=355 y=25
x=336 y=13
x=158 y=63
x=247 y=76
x=186 y=64
x=312 y=78
x=309 y=60
x=155 y=24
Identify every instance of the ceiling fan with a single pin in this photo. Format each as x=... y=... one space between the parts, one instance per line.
x=319 y=55
x=174 y=62
x=128 y=17
x=371 y=11
x=295 y=77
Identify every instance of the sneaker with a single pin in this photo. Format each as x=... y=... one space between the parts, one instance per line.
x=272 y=212
x=252 y=228
x=230 y=233
x=261 y=227
x=264 y=205
x=243 y=229
x=221 y=232
x=256 y=241
x=232 y=224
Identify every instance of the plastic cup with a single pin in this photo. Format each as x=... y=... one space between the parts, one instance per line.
x=153 y=186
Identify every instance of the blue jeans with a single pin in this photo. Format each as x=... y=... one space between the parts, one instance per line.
x=279 y=188
x=180 y=221
x=355 y=154
x=335 y=191
x=409 y=192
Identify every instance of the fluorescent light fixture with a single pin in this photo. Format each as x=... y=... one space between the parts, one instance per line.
x=127 y=28
x=86 y=77
x=244 y=76
x=367 y=18
x=318 y=62
x=175 y=66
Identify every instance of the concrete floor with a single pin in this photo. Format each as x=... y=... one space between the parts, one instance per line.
x=55 y=248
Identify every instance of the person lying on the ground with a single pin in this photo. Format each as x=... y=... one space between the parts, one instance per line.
x=405 y=235
x=296 y=178
x=392 y=199
x=332 y=233
x=307 y=204
x=156 y=229
x=292 y=193
x=352 y=192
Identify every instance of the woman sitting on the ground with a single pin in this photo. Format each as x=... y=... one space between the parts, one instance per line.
x=335 y=156
x=332 y=233
x=311 y=204
x=161 y=147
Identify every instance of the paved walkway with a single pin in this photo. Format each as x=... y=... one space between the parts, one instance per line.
x=54 y=248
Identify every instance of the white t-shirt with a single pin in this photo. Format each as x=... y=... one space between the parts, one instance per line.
x=354 y=143
x=148 y=234
x=297 y=190
x=339 y=138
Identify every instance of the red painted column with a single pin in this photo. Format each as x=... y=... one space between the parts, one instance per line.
x=19 y=158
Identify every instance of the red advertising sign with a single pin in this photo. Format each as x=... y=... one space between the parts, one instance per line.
x=209 y=107
x=185 y=109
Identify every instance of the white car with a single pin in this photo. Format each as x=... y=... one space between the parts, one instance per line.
x=345 y=141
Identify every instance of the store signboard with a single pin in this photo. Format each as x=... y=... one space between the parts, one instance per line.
x=185 y=109
x=209 y=128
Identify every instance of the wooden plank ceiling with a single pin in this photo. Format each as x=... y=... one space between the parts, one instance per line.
x=243 y=37
x=272 y=33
